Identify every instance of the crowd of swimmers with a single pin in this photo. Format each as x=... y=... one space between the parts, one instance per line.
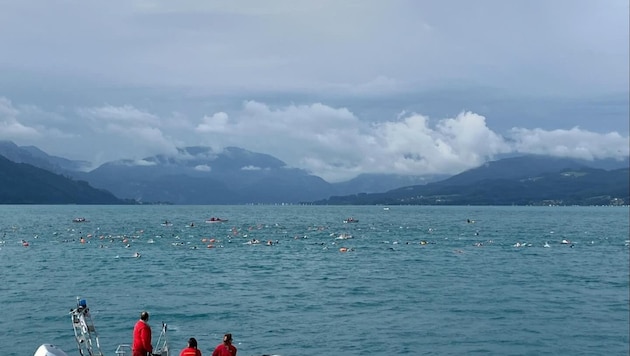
x=235 y=231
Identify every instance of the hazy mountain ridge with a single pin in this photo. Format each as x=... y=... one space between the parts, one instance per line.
x=200 y=175
x=513 y=168
x=22 y=183
x=38 y=158
x=374 y=183
x=564 y=186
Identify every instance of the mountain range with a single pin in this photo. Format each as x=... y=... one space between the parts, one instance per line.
x=22 y=183
x=200 y=175
x=527 y=180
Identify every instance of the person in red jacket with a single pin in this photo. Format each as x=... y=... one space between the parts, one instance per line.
x=226 y=348
x=141 y=345
x=191 y=350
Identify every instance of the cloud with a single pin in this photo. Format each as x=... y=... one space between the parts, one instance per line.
x=375 y=87
x=129 y=130
x=140 y=162
x=7 y=111
x=335 y=144
x=215 y=123
x=318 y=83
x=203 y=168
x=13 y=130
x=119 y=115
x=449 y=146
x=302 y=135
x=10 y=127
x=251 y=168
x=573 y=143
x=575 y=46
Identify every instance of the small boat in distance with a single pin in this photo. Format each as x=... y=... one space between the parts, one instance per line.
x=350 y=220
x=79 y=220
x=215 y=220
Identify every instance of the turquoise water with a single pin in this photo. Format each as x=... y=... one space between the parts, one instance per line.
x=389 y=294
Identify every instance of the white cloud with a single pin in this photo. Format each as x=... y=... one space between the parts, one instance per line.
x=251 y=168
x=574 y=143
x=10 y=127
x=7 y=111
x=334 y=144
x=298 y=134
x=15 y=130
x=331 y=142
x=129 y=131
x=215 y=123
x=119 y=115
x=451 y=145
x=203 y=168
x=140 y=162
x=323 y=79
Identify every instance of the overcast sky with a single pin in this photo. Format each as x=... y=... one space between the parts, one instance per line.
x=334 y=87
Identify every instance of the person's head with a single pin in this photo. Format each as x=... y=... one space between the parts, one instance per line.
x=192 y=342
x=144 y=316
x=227 y=338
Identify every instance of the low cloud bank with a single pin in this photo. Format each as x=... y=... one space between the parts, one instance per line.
x=331 y=142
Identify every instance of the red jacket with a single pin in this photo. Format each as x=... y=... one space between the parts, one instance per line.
x=190 y=351
x=141 y=339
x=225 y=350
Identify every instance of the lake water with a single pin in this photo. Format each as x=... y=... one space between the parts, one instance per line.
x=414 y=280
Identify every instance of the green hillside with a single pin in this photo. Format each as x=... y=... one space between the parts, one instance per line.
x=22 y=183
x=582 y=186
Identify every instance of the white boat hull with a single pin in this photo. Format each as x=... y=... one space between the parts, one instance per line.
x=49 y=350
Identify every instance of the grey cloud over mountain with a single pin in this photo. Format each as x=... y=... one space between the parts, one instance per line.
x=338 y=88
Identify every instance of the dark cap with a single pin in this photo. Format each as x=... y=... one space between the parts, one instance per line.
x=192 y=342
x=144 y=316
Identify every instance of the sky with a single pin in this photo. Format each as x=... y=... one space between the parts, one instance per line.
x=337 y=88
